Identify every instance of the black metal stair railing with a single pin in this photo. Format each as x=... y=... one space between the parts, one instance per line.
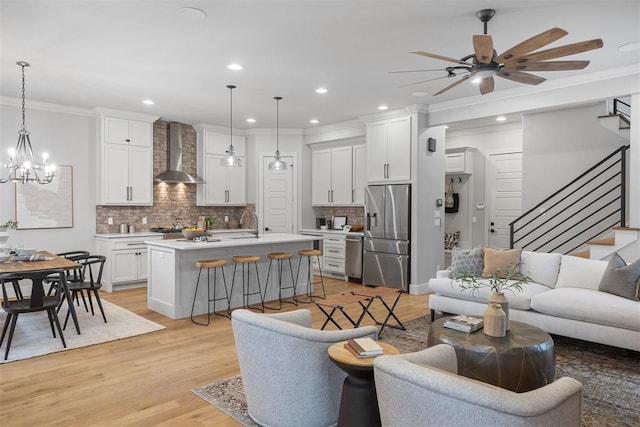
x=582 y=210
x=622 y=109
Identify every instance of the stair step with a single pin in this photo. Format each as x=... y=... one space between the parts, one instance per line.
x=609 y=241
x=583 y=254
x=627 y=228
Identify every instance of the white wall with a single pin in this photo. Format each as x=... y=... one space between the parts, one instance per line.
x=68 y=138
x=558 y=146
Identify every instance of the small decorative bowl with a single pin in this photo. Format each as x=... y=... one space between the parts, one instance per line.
x=4 y=257
x=25 y=252
x=192 y=234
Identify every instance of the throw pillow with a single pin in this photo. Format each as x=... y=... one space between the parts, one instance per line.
x=451 y=239
x=500 y=262
x=621 y=279
x=466 y=262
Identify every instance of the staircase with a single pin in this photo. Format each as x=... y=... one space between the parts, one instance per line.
x=587 y=217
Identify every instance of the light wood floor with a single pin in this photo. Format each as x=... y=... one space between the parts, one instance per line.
x=144 y=380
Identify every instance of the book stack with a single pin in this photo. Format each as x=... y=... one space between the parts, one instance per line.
x=464 y=323
x=363 y=347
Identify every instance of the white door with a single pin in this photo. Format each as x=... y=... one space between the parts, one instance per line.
x=504 y=180
x=278 y=197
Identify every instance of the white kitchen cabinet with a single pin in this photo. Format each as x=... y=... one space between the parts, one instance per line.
x=126 y=265
x=359 y=179
x=332 y=177
x=224 y=186
x=389 y=150
x=459 y=161
x=333 y=255
x=126 y=162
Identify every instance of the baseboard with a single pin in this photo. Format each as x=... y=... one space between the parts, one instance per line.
x=419 y=289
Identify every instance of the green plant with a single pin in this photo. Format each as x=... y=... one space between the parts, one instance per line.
x=10 y=225
x=509 y=280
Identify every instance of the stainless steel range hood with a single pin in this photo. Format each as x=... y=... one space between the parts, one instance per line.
x=174 y=172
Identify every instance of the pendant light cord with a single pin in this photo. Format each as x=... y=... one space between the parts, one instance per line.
x=277 y=98
x=231 y=88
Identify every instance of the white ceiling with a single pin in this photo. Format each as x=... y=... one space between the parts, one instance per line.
x=114 y=54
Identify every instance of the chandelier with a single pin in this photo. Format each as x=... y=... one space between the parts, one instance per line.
x=278 y=163
x=22 y=166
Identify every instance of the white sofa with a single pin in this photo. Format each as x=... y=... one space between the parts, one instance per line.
x=562 y=299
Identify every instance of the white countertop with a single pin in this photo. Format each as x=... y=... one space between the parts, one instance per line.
x=122 y=235
x=317 y=231
x=232 y=241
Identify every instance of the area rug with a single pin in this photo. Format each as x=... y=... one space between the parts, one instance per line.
x=33 y=337
x=610 y=376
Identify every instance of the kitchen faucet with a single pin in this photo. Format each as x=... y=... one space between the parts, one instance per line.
x=255 y=233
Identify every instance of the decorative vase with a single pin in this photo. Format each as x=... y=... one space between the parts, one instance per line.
x=499 y=298
x=495 y=321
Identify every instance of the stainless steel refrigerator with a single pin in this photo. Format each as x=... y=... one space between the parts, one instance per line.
x=387 y=233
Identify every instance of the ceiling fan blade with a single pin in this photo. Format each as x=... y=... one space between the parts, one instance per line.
x=483 y=47
x=546 y=66
x=566 y=50
x=440 y=57
x=531 y=44
x=425 y=81
x=451 y=86
x=486 y=85
x=520 y=77
x=414 y=71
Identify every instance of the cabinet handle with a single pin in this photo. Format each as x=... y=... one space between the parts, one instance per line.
x=130 y=193
x=386 y=170
x=329 y=196
x=226 y=196
x=135 y=243
x=353 y=195
x=128 y=140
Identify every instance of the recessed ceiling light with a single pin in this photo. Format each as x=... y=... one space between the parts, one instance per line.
x=251 y=120
x=321 y=90
x=148 y=102
x=234 y=66
x=421 y=93
x=383 y=107
x=191 y=14
x=501 y=119
x=629 y=47
x=314 y=121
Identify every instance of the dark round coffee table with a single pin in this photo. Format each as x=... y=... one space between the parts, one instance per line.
x=521 y=361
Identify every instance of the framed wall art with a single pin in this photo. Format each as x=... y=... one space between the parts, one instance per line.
x=46 y=206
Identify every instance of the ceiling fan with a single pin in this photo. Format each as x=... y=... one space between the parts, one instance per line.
x=513 y=64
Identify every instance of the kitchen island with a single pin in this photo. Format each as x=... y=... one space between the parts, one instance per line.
x=172 y=271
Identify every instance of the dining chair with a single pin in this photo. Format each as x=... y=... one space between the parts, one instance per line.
x=91 y=274
x=73 y=275
x=36 y=302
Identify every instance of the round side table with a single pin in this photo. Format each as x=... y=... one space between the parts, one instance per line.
x=521 y=361
x=359 y=403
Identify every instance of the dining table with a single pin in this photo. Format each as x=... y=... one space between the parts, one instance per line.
x=44 y=261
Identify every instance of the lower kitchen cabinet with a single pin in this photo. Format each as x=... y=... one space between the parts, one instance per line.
x=126 y=265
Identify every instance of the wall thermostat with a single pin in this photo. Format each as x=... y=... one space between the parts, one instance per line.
x=480 y=205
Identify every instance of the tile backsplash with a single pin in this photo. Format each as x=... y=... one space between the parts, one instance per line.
x=354 y=214
x=170 y=201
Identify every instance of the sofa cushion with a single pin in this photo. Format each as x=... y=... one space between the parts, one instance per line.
x=466 y=262
x=517 y=300
x=621 y=279
x=500 y=262
x=540 y=267
x=576 y=272
x=589 y=306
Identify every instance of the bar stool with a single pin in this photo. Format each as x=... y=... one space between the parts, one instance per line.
x=280 y=257
x=209 y=264
x=246 y=285
x=309 y=254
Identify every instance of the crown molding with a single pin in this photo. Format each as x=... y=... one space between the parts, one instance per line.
x=101 y=111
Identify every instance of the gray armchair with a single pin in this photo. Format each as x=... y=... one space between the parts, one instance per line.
x=287 y=375
x=423 y=388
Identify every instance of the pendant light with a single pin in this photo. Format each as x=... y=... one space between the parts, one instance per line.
x=230 y=159
x=278 y=164
x=22 y=166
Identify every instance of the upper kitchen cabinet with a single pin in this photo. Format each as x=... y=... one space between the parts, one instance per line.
x=459 y=160
x=223 y=185
x=125 y=159
x=389 y=150
x=332 y=177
